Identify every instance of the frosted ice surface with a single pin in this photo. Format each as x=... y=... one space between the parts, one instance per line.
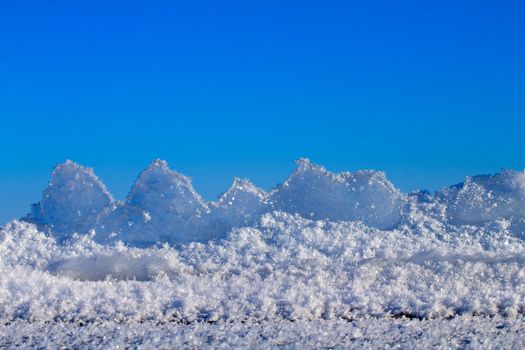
x=241 y=205
x=72 y=200
x=315 y=193
x=164 y=192
x=481 y=199
x=163 y=206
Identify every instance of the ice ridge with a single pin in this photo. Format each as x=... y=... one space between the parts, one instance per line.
x=163 y=207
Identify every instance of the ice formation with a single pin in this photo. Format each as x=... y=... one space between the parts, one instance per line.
x=481 y=199
x=319 y=246
x=315 y=193
x=72 y=201
x=163 y=206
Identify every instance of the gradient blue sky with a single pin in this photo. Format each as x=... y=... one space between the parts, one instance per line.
x=427 y=91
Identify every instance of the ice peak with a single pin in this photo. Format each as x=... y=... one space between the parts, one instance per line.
x=242 y=185
x=75 y=176
x=68 y=163
x=160 y=189
x=73 y=197
x=303 y=161
x=305 y=164
x=159 y=169
x=159 y=164
x=314 y=192
x=69 y=167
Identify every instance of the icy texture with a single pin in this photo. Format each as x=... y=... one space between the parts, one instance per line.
x=241 y=205
x=162 y=206
x=321 y=250
x=487 y=198
x=283 y=268
x=367 y=333
x=315 y=193
x=72 y=201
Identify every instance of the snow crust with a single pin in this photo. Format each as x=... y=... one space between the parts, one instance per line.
x=320 y=246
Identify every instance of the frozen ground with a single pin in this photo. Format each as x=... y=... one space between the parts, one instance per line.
x=461 y=332
x=323 y=260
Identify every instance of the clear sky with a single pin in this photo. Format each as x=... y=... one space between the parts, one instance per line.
x=428 y=91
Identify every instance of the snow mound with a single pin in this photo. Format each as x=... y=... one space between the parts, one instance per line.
x=284 y=267
x=485 y=198
x=162 y=206
x=72 y=200
x=241 y=205
x=315 y=193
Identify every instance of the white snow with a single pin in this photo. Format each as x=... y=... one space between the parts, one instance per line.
x=285 y=267
x=321 y=249
x=463 y=332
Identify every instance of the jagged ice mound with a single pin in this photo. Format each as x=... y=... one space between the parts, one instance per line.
x=486 y=198
x=163 y=206
x=72 y=201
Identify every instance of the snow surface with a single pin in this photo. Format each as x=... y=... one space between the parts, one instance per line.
x=285 y=267
x=347 y=253
x=463 y=332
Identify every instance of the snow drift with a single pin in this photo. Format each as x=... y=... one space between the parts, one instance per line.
x=283 y=267
x=319 y=246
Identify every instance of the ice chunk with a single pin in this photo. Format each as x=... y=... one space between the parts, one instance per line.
x=72 y=200
x=162 y=206
x=162 y=191
x=241 y=205
x=485 y=198
x=315 y=193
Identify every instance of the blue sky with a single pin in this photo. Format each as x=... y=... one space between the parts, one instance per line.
x=427 y=91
